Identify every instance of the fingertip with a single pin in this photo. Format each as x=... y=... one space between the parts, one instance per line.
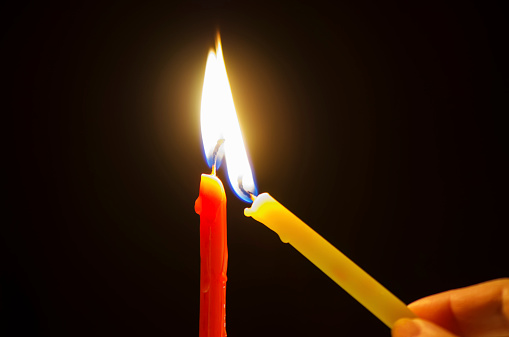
x=405 y=327
x=418 y=327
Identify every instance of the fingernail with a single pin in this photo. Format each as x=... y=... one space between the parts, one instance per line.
x=406 y=327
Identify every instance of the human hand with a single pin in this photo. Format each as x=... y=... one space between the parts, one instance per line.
x=481 y=310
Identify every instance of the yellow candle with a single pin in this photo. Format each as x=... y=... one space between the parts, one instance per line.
x=364 y=288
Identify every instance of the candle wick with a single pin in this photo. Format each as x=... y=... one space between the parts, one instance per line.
x=246 y=192
x=215 y=154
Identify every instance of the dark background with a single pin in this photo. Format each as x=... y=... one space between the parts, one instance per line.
x=379 y=124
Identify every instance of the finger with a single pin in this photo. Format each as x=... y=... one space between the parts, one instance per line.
x=417 y=327
x=480 y=310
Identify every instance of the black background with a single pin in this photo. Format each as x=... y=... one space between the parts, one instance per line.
x=379 y=124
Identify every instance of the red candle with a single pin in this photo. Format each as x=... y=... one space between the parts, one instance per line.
x=211 y=206
x=216 y=110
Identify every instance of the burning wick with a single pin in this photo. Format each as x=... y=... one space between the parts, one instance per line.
x=215 y=154
x=246 y=192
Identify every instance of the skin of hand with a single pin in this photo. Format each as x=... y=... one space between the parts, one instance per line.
x=481 y=310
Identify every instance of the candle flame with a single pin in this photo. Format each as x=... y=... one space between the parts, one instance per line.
x=219 y=124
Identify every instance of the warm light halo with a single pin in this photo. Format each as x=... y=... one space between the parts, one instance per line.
x=219 y=121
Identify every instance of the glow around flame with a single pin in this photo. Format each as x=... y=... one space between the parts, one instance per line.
x=219 y=121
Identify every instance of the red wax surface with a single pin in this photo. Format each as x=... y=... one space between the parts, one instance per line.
x=211 y=206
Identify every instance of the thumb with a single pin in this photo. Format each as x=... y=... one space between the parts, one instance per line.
x=417 y=327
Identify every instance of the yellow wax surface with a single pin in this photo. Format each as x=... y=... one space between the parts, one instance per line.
x=365 y=289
